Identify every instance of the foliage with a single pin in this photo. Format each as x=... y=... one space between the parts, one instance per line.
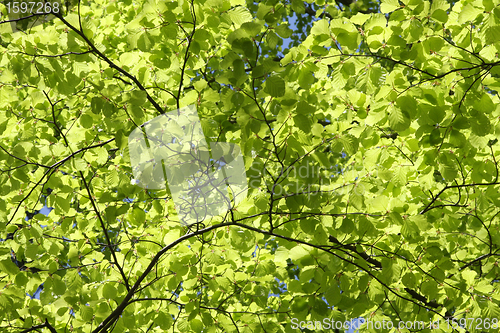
x=370 y=148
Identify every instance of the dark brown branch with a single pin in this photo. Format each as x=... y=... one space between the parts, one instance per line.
x=55 y=55
x=421 y=298
x=495 y=182
x=186 y=55
x=46 y=324
x=352 y=248
x=52 y=169
x=311 y=12
x=105 y=230
x=112 y=64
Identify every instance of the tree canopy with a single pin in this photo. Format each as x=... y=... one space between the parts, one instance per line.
x=368 y=134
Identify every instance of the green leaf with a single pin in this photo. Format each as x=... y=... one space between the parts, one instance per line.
x=298 y=253
x=163 y=320
x=9 y=267
x=97 y=105
x=350 y=144
x=360 y=18
x=137 y=112
x=388 y=6
x=272 y=40
x=58 y=287
x=306 y=79
x=320 y=27
x=398 y=118
x=251 y=28
x=196 y=325
x=480 y=125
x=283 y=30
x=469 y=277
x=461 y=123
x=242 y=239
x=298 y=6
x=333 y=295
x=263 y=10
x=60 y=203
x=240 y=15
x=137 y=97
x=302 y=122
x=399 y=177
x=275 y=86
x=109 y=291
x=137 y=216
x=79 y=164
x=440 y=15
x=144 y=42
x=86 y=313
x=468 y=13
x=86 y=121
x=430 y=289
x=304 y=108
